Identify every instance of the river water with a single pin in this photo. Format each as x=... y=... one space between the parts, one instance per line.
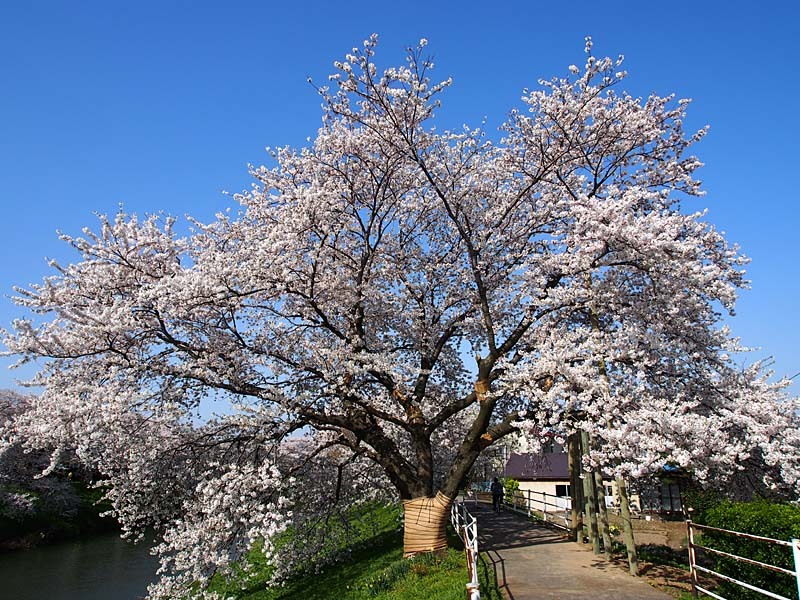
x=104 y=567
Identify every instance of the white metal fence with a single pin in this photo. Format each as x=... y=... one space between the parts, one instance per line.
x=466 y=526
x=550 y=508
x=694 y=568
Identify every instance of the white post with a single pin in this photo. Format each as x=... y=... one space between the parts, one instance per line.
x=528 y=502
x=473 y=587
x=473 y=593
x=796 y=553
x=544 y=506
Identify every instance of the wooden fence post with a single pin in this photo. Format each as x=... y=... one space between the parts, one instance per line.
x=692 y=559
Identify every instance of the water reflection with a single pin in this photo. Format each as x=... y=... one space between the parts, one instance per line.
x=100 y=568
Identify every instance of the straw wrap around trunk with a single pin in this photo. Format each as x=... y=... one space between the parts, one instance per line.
x=425 y=521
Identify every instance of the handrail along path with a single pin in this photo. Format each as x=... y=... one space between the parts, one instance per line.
x=466 y=526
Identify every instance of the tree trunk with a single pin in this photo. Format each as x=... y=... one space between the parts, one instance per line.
x=591 y=497
x=575 y=496
x=425 y=521
x=627 y=526
x=602 y=512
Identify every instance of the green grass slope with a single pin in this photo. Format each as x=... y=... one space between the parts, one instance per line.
x=375 y=569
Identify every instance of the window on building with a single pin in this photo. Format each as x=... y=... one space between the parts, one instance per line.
x=670 y=496
x=562 y=490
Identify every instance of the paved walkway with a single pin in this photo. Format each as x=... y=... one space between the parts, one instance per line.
x=534 y=561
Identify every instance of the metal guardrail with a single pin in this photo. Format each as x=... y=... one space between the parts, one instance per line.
x=694 y=568
x=466 y=526
x=550 y=508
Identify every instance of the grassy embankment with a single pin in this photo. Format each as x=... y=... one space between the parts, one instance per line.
x=375 y=570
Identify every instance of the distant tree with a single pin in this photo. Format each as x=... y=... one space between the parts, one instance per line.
x=347 y=299
x=16 y=466
x=24 y=491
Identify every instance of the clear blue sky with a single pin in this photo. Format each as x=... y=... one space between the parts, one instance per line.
x=161 y=105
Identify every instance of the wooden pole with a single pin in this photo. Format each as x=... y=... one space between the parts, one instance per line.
x=627 y=526
x=602 y=512
x=590 y=494
x=575 y=487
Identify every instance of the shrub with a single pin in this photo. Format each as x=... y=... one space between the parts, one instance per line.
x=511 y=487
x=767 y=519
x=700 y=501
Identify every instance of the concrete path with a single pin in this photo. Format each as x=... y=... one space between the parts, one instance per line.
x=534 y=561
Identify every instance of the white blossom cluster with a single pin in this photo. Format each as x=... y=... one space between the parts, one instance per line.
x=16 y=505
x=404 y=297
x=235 y=508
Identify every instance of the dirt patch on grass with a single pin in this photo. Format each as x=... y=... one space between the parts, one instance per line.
x=671 y=579
x=656 y=531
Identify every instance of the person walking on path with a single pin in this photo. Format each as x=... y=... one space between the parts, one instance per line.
x=497 y=494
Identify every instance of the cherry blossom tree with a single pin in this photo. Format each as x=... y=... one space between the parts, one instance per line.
x=16 y=466
x=401 y=298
